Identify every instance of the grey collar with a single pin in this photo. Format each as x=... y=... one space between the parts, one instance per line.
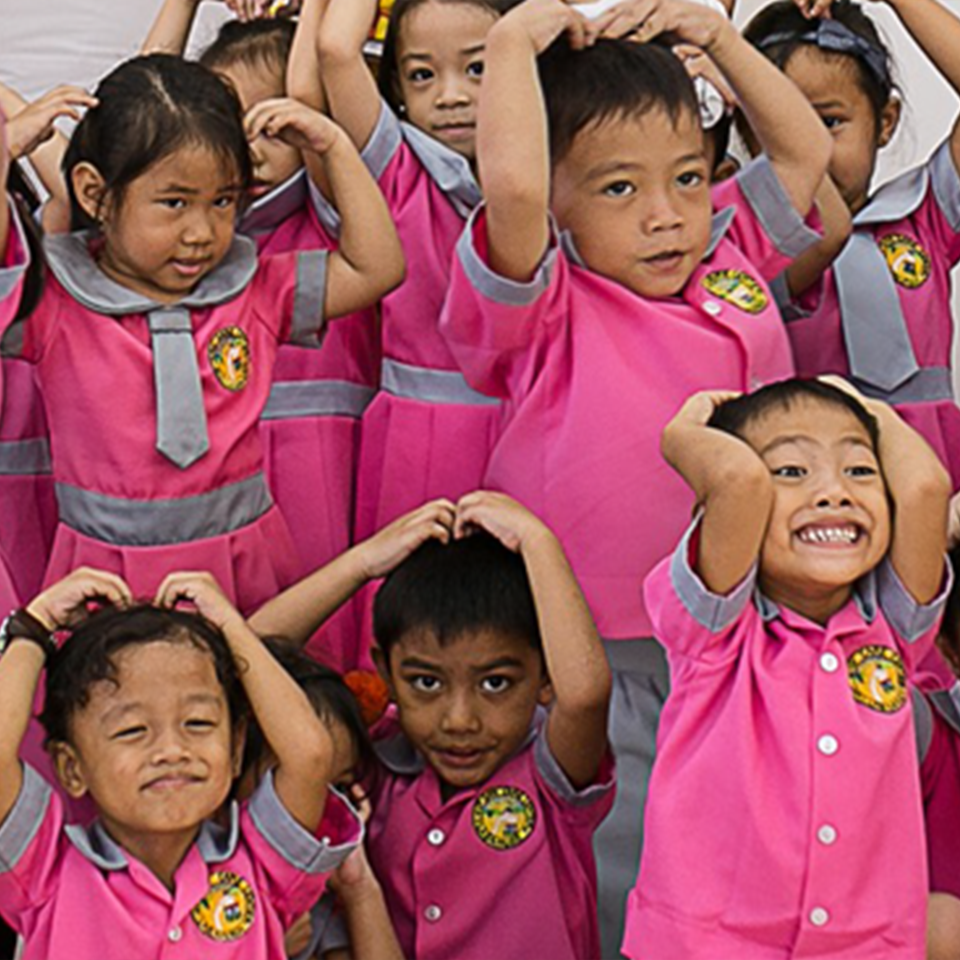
x=864 y=596
x=274 y=207
x=448 y=169
x=897 y=199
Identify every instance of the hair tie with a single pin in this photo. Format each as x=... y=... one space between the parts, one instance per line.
x=371 y=693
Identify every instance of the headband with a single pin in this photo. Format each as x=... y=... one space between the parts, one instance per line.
x=837 y=38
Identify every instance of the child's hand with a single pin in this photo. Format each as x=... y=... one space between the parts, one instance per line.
x=395 y=542
x=953 y=522
x=643 y=20
x=500 y=516
x=61 y=604
x=294 y=123
x=34 y=124
x=698 y=64
x=699 y=408
x=542 y=21
x=298 y=935
x=353 y=875
x=813 y=9
x=202 y=591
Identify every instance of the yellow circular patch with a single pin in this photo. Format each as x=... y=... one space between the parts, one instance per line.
x=229 y=353
x=738 y=288
x=908 y=261
x=503 y=817
x=227 y=911
x=877 y=678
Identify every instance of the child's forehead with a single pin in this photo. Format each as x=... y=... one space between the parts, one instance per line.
x=809 y=420
x=476 y=647
x=154 y=670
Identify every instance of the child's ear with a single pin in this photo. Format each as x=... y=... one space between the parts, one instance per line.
x=69 y=769
x=239 y=741
x=89 y=188
x=889 y=119
x=545 y=693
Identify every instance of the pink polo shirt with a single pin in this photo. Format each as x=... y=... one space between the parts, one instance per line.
x=74 y=893
x=784 y=817
x=504 y=870
x=592 y=373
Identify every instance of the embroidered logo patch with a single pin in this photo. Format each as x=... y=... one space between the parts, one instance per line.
x=738 y=288
x=227 y=911
x=229 y=353
x=503 y=817
x=877 y=678
x=908 y=261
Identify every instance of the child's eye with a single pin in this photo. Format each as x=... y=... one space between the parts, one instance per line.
x=495 y=684
x=862 y=470
x=621 y=188
x=475 y=68
x=420 y=75
x=225 y=202
x=832 y=123
x=791 y=471
x=129 y=733
x=199 y=724
x=173 y=203
x=691 y=178
x=424 y=683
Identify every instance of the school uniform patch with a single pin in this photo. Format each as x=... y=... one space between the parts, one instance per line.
x=877 y=678
x=503 y=817
x=229 y=353
x=738 y=288
x=227 y=911
x=908 y=261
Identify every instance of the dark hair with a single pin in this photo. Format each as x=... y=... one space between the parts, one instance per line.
x=736 y=415
x=149 y=108
x=329 y=696
x=388 y=74
x=613 y=78
x=88 y=657
x=453 y=589
x=783 y=18
x=258 y=44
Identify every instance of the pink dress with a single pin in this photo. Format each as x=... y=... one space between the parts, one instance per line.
x=123 y=505
x=881 y=314
x=784 y=816
x=591 y=373
x=310 y=427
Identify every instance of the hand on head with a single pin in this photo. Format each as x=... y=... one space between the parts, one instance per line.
x=65 y=601
x=34 y=124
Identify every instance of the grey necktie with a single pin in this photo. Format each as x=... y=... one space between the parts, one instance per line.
x=181 y=417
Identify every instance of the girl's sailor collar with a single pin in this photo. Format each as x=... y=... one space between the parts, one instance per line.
x=269 y=211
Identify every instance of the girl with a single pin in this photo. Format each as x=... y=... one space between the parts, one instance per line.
x=880 y=313
x=800 y=600
x=595 y=337
x=427 y=433
x=186 y=321
x=144 y=713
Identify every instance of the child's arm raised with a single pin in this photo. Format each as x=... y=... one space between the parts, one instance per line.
x=23 y=661
x=369 y=261
x=574 y=656
x=4 y=175
x=296 y=735
x=513 y=157
x=171 y=28
x=299 y=611
x=732 y=485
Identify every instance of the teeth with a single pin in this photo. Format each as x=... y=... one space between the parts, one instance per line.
x=846 y=534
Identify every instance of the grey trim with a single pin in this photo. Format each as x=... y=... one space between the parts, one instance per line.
x=23 y=822
x=492 y=285
x=557 y=780
x=68 y=257
x=384 y=142
x=946 y=184
x=774 y=209
x=24 y=457
x=309 y=296
x=864 y=597
x=327 y=930
x=151 y=523
x=398 y=755
x=781 y=293
x=449 y=170
x=570 y=250
x=713 y=612
x=216 y=843
x=927 y=385
x=922 y=723
x=312 y=398
x=719 y=225
x=945 y=703
x=430 y=386
x=10 y=276
x=296 y=845
x=897 y=199
x=326 y=212
x=270 y=210
x=911 y=620
x=97 y=845
x=11 y=343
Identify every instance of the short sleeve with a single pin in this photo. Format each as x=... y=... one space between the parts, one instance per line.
x=687 y=618
x=914 y=623
x=290 y=291
x=592 y=803
x=294 y=862
x=766 y=226
x=13 y=269
x=491 y=323
x=939 y=215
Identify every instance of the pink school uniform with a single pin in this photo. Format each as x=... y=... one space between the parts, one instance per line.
x=111 y=401
x=310 y=427
x=501 y=870
x=881 y=314
x=784 y=814
x=591 y=373
x=73 y=892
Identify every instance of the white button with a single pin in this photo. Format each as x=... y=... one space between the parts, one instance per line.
x=829 y=662
x=827 y=834
x=828 y=745
x=174 y=935
x=819 y=917
x=433 y=913
x=436 y=837
x=712 y=307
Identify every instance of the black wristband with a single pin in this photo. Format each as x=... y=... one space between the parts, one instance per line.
x=23 y=625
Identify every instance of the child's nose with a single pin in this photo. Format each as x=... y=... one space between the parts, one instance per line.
x=661 y=213
x=451 y=92
x=833 y=492
x=460 y=715
x=170 y=747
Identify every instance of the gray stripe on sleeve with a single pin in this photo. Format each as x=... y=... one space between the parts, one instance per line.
x=308 y=298
x=557 y=780
x=326 y=212
x=946 y=185
x=911 y=620
x=383 y=143
x=24 y=820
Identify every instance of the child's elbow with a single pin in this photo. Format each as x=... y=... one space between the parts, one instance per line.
x=334 y=49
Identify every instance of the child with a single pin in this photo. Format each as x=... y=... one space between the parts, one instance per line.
x=144 y=713
x=880 y=313
x=595 y=336
x=808 y=587
x=163 y=306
